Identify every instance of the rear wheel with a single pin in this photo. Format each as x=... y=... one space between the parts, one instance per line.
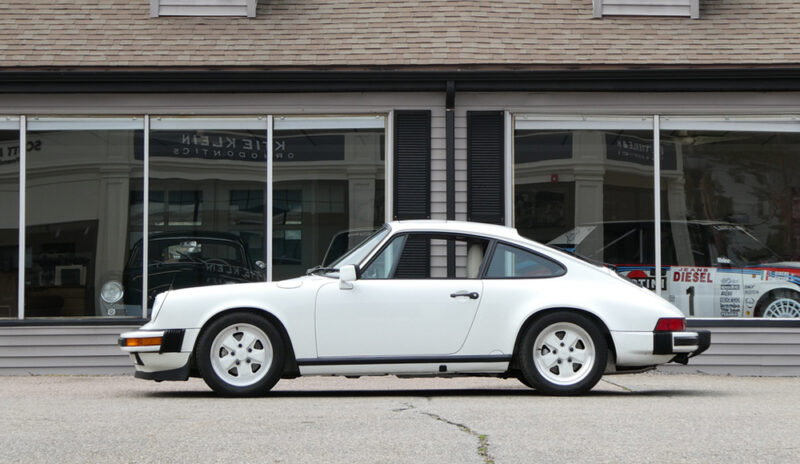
x=563 y=353
x=240 y=354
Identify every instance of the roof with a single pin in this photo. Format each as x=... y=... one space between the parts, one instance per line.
x=436 y=225
x=313 y=34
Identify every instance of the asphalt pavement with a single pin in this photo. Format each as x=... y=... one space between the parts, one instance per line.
x=651 y=417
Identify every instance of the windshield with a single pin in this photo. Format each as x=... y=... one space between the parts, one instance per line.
x=736 y=245
x=357 y=254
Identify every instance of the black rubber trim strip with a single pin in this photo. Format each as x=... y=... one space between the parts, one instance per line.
x=181 y=373
x=662 y=343
x=172 y=341
x=684 y=341
x=366 y=360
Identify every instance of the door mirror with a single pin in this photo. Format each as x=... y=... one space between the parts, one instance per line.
x=347 y=275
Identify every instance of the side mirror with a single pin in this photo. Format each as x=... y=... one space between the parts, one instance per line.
x=347 y=275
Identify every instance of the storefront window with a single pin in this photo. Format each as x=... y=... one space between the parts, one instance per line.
x=9 y=221
x=587 y=191
x=78 y=179
x=731 y=223
x=207 y=198
x=328 y=187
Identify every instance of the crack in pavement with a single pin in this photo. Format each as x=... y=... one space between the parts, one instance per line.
x=483 y=440
x=619 y=386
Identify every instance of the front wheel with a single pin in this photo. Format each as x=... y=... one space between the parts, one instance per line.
x=784 y=304
x=240 y=354
x=563 y=353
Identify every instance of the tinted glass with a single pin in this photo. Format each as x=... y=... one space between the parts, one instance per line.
x=79 y=185
x=207 y=215
x=328 y=186
x=512 y=263
x=422 y=256
x=733 y=215
x=9 y=221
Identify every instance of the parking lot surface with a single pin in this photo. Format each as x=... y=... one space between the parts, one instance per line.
x=630 y=418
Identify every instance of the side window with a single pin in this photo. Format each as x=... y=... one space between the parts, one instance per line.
x=513 y=263
x=384 y=265
x=428 y=256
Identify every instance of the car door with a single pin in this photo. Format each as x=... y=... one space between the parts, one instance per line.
x=407 y=301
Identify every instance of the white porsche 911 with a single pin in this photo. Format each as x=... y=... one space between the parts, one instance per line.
x=418 y=298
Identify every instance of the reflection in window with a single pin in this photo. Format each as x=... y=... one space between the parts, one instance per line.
x=76 y=232
x=569 y=183
x=207 y=197
x=326 y=183
x=9 y=221
x=734 y=223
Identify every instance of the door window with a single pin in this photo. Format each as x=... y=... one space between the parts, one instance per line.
x=428 y=256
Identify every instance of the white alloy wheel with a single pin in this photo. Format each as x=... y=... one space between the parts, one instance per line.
x=783 y=307
x=241 y=355
x=564 y=353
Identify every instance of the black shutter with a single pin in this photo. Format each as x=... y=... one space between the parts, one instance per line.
x=412 y=165
x=485 y=162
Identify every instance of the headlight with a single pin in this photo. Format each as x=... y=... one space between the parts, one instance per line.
x=157 y=304
x=112 y=292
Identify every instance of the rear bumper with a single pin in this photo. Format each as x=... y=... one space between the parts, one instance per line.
x=652 y=348
x=684 y=345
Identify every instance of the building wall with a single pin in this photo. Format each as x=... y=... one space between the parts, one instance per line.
x=92 y=349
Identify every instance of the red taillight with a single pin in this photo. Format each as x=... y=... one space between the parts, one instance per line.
x=671 y=324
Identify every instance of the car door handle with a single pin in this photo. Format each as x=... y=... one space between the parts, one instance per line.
x=471 y=295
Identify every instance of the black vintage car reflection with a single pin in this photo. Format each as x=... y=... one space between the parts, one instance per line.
x=179 y=260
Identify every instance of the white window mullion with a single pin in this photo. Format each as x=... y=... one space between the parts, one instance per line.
x=146 y=213
x=657 y=199
x=270 y=198
x=23 y=143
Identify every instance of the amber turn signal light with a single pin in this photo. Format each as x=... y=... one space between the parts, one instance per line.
x=149 y=341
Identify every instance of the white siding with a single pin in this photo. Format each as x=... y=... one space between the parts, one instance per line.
x=203 y=8
x=63 y=350
x=747 y=351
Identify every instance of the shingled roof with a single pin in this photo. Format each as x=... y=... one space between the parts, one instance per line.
x=347 y=34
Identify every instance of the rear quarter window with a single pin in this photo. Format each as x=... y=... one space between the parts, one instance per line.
x=510 y=262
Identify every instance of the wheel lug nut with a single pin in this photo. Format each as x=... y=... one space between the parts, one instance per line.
x=233 y=353
x=562 y=344
x=240 y=345
x=572 y=349
x=249 y=350
x=555 y=351
x=237 y=362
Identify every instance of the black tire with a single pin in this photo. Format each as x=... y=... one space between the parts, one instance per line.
x=254 y=369
x=780 y=303
x=570 y=357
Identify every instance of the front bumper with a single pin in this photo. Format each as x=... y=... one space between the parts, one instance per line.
x=683 y=345
x=158 y=354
